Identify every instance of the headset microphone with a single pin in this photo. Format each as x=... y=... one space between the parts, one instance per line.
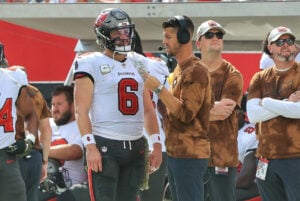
x=161 y=48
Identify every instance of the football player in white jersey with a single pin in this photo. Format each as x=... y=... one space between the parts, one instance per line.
x=112 y=106
x=246 y=187
x=14 y=96
x=157 y=179
x=66 y=146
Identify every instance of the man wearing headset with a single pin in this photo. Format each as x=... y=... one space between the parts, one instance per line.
x=187 y=117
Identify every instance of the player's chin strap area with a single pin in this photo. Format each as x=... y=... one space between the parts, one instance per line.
x=122 y=49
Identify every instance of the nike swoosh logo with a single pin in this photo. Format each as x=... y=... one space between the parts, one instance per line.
x=8 y=161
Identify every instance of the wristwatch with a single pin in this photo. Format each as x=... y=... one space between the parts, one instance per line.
x=158 y=89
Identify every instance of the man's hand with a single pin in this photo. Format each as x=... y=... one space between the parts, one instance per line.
x=93 y=158
x=155 y=157
x=21 y=147
x=151 y=82
x=294 y=97
x=222 y=109
x=44 y=172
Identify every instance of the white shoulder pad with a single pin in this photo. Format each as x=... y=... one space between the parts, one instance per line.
x=87 y=62
x=17 y=75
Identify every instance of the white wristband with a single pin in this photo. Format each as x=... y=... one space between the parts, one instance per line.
x=88 y=139
x=155 y=138
x=31 y=137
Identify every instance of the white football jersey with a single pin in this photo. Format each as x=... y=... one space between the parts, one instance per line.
x=246 y=140
x=70 y=133
x=12 y=81
x=159 y=70
x=117 y=110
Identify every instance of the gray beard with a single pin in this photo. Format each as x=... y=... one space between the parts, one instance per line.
x=285 y=58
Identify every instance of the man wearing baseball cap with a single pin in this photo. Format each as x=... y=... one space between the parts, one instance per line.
x=208 y=25
x=273 y=105
x=227 y=86
x=266 y=60
x=279 y=31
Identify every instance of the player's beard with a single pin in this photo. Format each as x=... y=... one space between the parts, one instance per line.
x=64 y=119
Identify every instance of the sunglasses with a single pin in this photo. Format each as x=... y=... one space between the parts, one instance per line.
x=280 y=42
x=210 y=35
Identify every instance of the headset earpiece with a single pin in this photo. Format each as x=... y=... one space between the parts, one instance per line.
x=183 y=34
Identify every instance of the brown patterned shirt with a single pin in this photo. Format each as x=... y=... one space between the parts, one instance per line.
x=227 y=82
x=41 y=109
x=187 y=129
x=278 y=137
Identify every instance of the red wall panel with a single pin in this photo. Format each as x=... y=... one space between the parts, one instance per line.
x=47 y=57
x=246 y=62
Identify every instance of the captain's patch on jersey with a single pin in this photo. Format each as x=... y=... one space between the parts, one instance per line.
x=105 y=69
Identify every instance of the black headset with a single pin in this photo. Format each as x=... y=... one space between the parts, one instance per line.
x=183 y=34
